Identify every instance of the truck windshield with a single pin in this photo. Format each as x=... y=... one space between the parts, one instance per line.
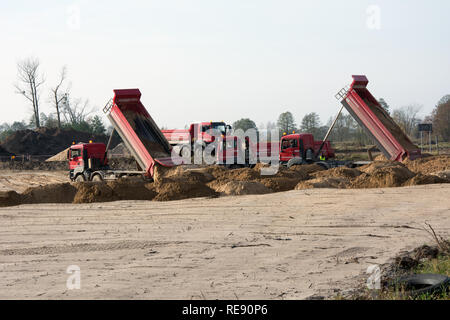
x=75 y=153
x=220 y=126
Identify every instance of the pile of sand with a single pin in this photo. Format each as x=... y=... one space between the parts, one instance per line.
x=235 y=188
x=185 y=182
x=324 y=182
x=429 y=165
x=62 y=156
x=382 y=175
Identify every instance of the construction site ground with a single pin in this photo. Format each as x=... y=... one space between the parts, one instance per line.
x=286 y=245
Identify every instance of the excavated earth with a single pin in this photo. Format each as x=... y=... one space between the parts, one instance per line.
x=214 y=181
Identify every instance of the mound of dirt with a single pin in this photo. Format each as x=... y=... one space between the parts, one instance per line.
x=62 y=156
x=376 y=165
x=49 y=141
x=178 y=189
x=279 y=184
x=383 y=177
x=340 y=172
x=307 y=168
x=420 y=179
x=234 y=188
x=51 y=193
x=132 y=189
x=4 y=153
x=10 y=198
x=380 y=157
x=323 y=182
x=429 y=165
x=89 y=192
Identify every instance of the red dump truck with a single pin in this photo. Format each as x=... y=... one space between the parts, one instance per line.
x=140 y=134
x=370 y=115
x=197 y=137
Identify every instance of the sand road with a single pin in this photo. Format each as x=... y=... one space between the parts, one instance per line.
x=287 y=245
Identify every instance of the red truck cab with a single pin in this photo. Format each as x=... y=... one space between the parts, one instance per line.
x=303 y=145
x=86 y=157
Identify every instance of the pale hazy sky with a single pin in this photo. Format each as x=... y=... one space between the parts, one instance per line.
x=217 y=60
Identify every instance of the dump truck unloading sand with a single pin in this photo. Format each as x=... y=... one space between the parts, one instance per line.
x=370 y=115
x=141 y=135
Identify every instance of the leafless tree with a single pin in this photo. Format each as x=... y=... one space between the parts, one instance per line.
x=58 y=95
x=75 y=111
x=406 y=117
x=29 y=81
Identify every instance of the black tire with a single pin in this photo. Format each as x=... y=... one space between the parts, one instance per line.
x=97 y=178
x=80 y=178
x=294 y=162
x=419 y=284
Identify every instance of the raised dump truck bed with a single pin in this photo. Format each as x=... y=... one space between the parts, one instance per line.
x=138 y=131
x=370 y=115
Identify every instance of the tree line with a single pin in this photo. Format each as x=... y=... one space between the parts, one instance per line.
x=348 y=130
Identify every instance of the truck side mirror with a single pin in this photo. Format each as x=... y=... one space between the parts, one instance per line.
x=68 y=154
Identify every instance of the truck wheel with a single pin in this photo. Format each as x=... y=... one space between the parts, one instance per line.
x=97 y=178
x=294 y=162
x=80 y=178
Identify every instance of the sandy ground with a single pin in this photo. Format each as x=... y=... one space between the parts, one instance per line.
x=287 y=245
x=21 y=180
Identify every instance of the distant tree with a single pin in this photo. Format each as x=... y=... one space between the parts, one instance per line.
x=406 y=118
x=311 y=123
x=58 y=94
x=441 y=120
x=244 y=124
x=97 y=125
x=18 y=125
x=75 y=111
x=286 y=122
x=384 y=105
x=444 y=100
x=29 y=83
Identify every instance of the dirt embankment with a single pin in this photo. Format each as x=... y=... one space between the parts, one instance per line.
x=183 y=182
x=49 y=141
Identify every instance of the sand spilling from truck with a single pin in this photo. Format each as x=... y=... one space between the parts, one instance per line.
x=186 y=182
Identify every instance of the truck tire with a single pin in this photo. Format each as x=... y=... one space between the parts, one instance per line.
x=294 y=162
x=418 y=284
x=80 y=178
x=97 y=178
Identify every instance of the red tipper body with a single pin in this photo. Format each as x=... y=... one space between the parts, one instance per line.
x=368 y=112
x=139 y=132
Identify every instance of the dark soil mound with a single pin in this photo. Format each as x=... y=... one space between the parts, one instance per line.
x=4 y=153
x=10 y=198
x=49 y=141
